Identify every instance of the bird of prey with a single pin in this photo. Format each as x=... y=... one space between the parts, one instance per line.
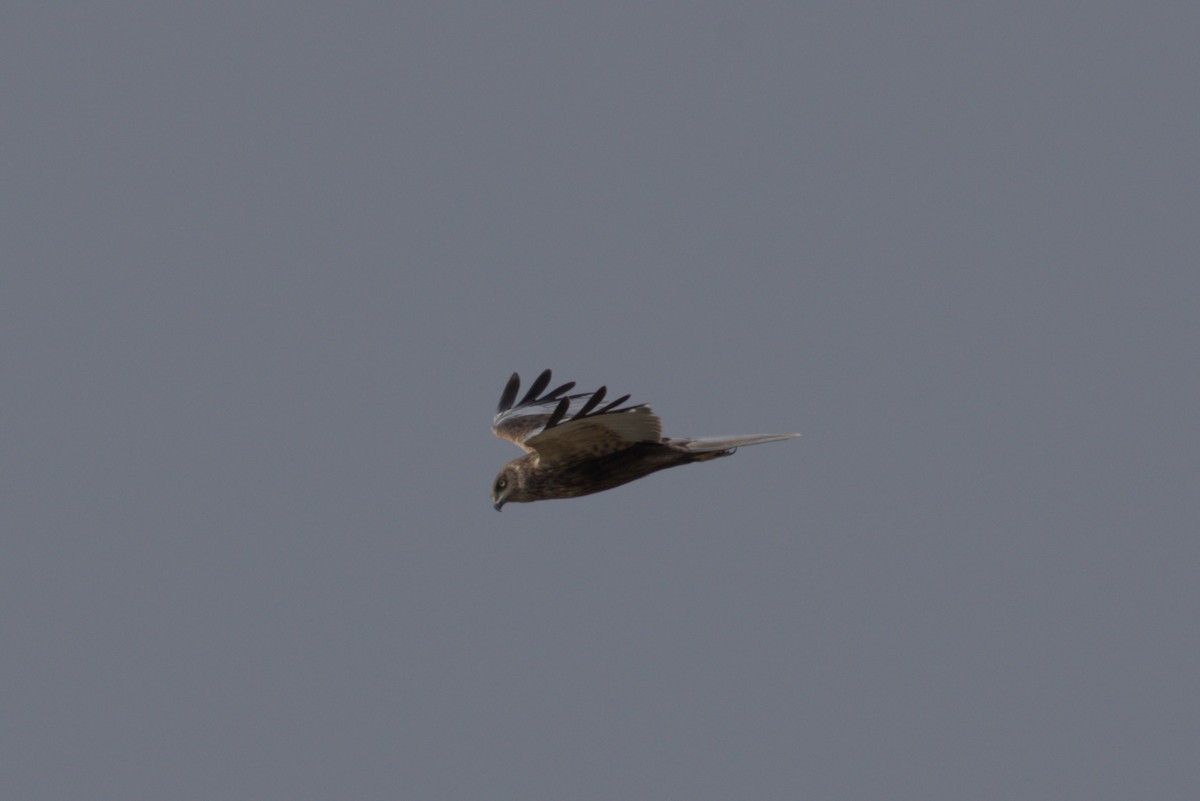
x=576 y=446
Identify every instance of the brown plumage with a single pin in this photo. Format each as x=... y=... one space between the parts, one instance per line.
x=577 y=444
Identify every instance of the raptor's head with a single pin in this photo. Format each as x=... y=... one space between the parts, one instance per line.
x=508 y=486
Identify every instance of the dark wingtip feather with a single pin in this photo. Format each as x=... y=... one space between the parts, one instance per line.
x=614 y=404
x=557 y=391
x=592 y=403
x=557 y=415
x=509 y=394
x=538 y=385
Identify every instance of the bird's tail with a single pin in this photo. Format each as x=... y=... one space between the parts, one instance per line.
x=723 y=446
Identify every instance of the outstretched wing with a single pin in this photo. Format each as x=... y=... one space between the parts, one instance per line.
x=563 y=428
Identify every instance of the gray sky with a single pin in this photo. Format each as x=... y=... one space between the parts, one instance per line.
x=268 y=266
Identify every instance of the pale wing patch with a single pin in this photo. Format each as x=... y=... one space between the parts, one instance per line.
x=518 y=428
x=524 y=422
x=595 y=436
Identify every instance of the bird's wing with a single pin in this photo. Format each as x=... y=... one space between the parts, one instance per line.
x=561 y=427
x=595 y=435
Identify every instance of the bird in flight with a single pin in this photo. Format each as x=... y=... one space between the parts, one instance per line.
x=578 y=444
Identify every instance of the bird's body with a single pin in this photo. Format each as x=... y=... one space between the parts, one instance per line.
x=586 y=476
x=577 y=447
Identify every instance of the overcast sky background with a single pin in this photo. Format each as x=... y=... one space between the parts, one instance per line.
x=267 y=266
